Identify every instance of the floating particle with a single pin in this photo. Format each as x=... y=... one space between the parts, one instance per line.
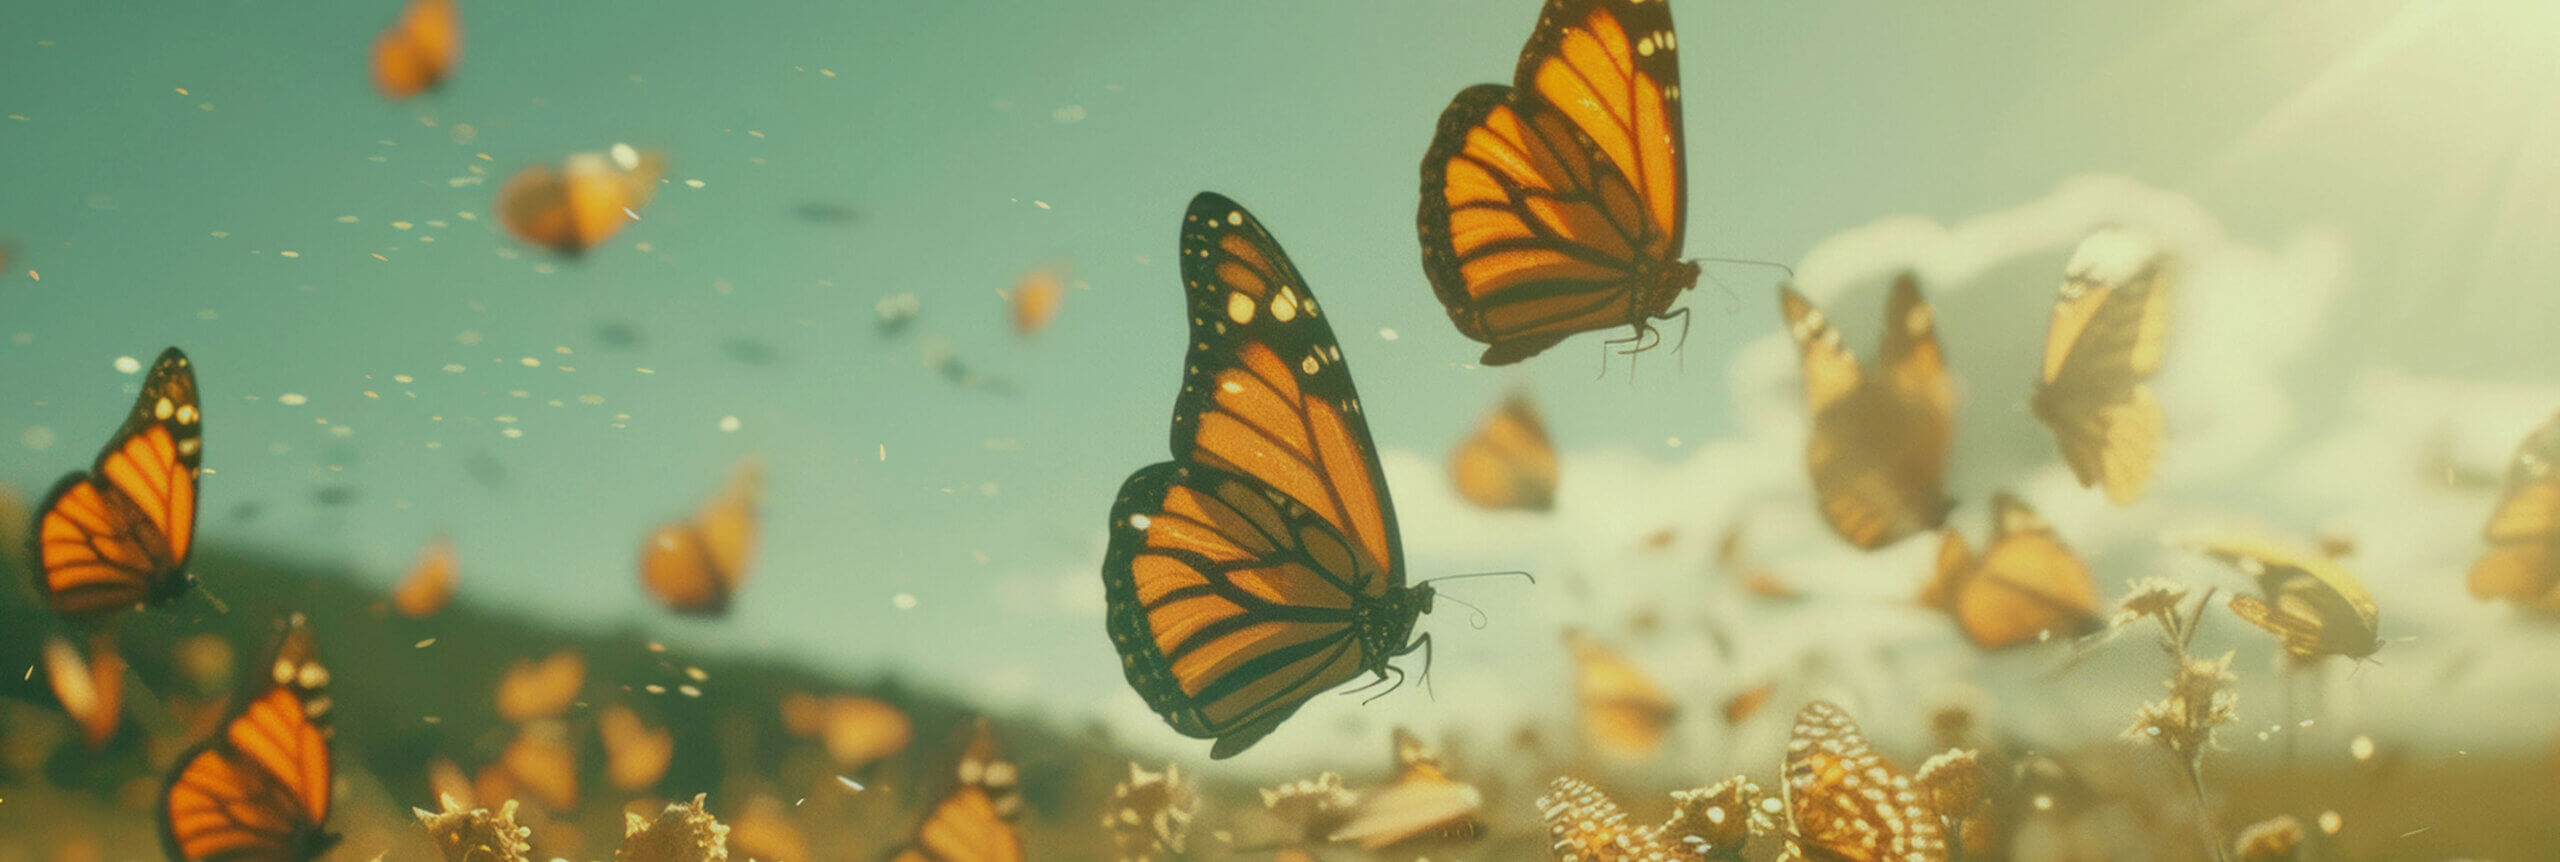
x=37 y=437
x=1068 y=114
x=849 y=783
x=467 y=337
x=453 y=368
x=903 y=601
x=289 y=254
x=292 y=399
x=2361 y=747
x=1387 y=333
x=1041 y=204
x=423 y=644
x=2330 y=822
x=728 y=423
x=128 y=365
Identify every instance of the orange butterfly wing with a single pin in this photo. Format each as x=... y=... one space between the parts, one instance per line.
x=259 y=790
x=1508 y=463
x=2025 y=584
x=2107 y=337
x=1624 y=713
x=1879 y=445
x=1556 y=205
x=2523 y=560
x=974 y=822
x=695 y=567
x=1844 y=802
x=418 y=50
x=1260 y=566
x=118 y=535
x=581 y=203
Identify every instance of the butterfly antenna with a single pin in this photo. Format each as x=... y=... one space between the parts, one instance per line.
x=1502 y=574
x=1737 y=261
x=1475 y=615
x=219 y=607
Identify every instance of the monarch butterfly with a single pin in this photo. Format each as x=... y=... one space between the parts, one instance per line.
x=532 y=690
x=2109 y=329
x=118 y=535
x=695 y=567
x=974 y=822
x=1421 y=805
x=635 y=754
x=2523 y=560
x=91 y=690
x=260 y=789
x=1845 y=802
x=1261 y=566
x=429 y=584
x=1624 y=714
x=2025 y=586
x=1507 y=463
x=763 y=829
x=418 y=50
x=1555 y=205
x=581 y=203
x=2308 y=601
x=1878 y=451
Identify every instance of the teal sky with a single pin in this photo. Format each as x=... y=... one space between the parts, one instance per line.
x=2415 y=130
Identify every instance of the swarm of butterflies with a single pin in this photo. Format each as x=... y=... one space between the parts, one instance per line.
x=1261 y=565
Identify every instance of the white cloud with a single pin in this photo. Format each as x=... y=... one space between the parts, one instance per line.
x=2248 y=318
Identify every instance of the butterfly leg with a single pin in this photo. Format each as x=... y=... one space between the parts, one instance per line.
x=1681 y=348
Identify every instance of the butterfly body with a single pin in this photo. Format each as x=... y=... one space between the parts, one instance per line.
x=1880 y=441
x=118 y=535
x=1555 y=205
x=1261 y=566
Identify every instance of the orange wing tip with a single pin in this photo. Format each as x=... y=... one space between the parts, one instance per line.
x=467 y=834
x=418 y=50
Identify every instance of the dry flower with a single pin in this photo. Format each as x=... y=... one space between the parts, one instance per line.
x=1150 y=813
x=1716 y=821
x=2200 y=699
x=2278 y=839
x=1710 y=823
x=681 y=833
x=2151 y=597
x=476 y=834
x=1312 y=807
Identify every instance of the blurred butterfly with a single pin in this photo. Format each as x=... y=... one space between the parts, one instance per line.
x=418 y=50
x=1556 y=205
x=2523 y=561
x=2026 y=585
x=429 y=584
x=1756 y=579
x=695 y=567
x=974 y=822
x=2109 y=329
x=1878 y=450
x=581 y=203
x=1507 y=463
x=1844 y=802
x=1624 y=714
x=118 y=536
x=260 y=790
x=539 y=765
x=763 y=829
x=91 y=689
x=1422 y=807
x=2308 y=601
x=1261 y=566
x=856 y=731
x=1740 y=706
x=635 y=754
x=1034 y=300
x=531 y=690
